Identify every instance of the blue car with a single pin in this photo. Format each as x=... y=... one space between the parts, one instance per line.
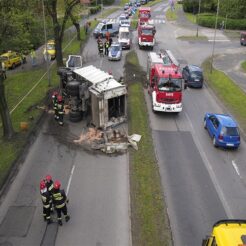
x=223 y=129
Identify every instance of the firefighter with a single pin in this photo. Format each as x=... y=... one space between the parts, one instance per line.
x=106 y=46
x=60 y=109
x=60 y=202
x=46 y=198
x=50 y=188
x=100 y=47
x=54 y=101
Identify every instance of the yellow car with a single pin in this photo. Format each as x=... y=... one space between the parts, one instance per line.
x=51 y=50
x=11 y=59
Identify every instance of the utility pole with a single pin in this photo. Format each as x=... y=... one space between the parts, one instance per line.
x=215 y=29
x=199 y=11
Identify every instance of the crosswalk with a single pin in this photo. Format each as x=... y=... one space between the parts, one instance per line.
x=116 y=20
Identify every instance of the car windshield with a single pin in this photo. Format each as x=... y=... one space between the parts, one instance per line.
x=124 y=35
x=99 y=26
x=115 y=48
x=125 y=22
x=196 y=74
x=229 y=131
x=122 y=18
x=166 y=84
x=147 y=32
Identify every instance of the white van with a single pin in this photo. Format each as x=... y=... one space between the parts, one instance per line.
x=124 y=37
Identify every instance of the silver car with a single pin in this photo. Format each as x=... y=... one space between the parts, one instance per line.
x=115 y=52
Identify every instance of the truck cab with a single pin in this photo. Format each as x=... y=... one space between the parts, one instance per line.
x=227 y=233
x=144 y=14
x=146 y=35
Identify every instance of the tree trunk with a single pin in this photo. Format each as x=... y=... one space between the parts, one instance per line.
x=8 y=131
x=77 y=26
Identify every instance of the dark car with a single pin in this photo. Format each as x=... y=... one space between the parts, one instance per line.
x=223 y=129
x=193 y=76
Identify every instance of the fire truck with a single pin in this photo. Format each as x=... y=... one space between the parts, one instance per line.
x=164 y=82
x=144 y=14
x=146 y=35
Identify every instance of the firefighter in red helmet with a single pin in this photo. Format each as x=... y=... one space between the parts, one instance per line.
x=54 y=102
x=50 y=188
x=60 y=109
x=46 y=198
x=60 y=202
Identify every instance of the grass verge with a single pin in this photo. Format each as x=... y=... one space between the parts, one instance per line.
x=243 y=66
x=150 y=225
x=193 y=38
x=232 y=96
x=16 y=87
x=191 y=17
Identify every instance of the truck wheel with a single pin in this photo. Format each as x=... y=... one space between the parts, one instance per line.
x=72 y=88
x=75 y=116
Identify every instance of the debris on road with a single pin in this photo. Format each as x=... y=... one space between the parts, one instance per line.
x=108 y=141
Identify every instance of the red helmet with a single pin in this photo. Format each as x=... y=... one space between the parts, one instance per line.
x=59 y=98
x=55 y=94
x=57 y=184
x=42 y=185
x=48 y=178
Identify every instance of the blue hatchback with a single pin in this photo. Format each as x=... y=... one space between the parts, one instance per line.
x=223 y=129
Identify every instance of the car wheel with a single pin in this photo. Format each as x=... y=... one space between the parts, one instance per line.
x=205 y=124
x=214 y=142
x=75 y=116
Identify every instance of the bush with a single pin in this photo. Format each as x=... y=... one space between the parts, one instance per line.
x=94 y=10
x=208 y=20
x=192 y=6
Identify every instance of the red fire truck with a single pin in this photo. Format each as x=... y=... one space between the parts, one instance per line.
x=164 y=82
x=146 y=35
x=144 y=14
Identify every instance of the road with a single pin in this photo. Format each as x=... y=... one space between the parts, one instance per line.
x=201 y=184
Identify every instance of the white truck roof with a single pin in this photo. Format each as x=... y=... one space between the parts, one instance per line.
x=124 y=29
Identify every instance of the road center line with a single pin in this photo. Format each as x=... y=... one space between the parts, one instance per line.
x=236 y=167
x=70 y=179
x=211 y=172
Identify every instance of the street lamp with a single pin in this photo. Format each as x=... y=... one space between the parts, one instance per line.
x=215 y=29
x=47 y=57
x=199 y=10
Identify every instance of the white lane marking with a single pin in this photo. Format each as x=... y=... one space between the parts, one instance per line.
x=234 y=164
x=70 y=179
x=211 y=172
x=219 y=40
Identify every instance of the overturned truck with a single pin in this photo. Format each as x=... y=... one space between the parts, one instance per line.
x=95 y=94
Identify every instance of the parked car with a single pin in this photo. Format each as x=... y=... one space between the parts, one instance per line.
x=115 y=52
x=104 y=27
x=193 y=76
x=126 y=6
x=223 y=129
x=243 y=38
x=11 y=59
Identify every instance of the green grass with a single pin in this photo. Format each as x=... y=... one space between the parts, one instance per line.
x=233 y=97
x=107 y=12
x=193 y=38
x=243 y=65
x=149 y=220
x=16 y=87
x=172 y=15
x=191 y=17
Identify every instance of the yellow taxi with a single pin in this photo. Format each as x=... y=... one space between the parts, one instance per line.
x=51 y=50
x=11 y=59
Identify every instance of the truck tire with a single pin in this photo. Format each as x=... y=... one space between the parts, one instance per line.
x=75 y=116
x=63 y=71
x=72 y=88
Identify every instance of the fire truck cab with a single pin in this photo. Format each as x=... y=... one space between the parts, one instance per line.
x=146 y=35
x=144 y=14
x=164 y=82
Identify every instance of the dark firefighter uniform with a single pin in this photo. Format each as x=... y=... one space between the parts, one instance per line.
x=60 y=202
x=60 y=109
x=106 y=45
x=50 y=188
x=100 y=47
x=46 y=198
x=55 y=103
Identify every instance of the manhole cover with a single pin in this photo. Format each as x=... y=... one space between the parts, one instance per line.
x=17 y=221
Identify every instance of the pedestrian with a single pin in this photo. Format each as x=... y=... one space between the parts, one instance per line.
x=86 y=27
x=222 y=25
x=60 y=109
x=55 y=104
x=110 y=41
x=46 y=200
x=33 y=57
x=106 y=47
x=60 y=201
x=3 y=70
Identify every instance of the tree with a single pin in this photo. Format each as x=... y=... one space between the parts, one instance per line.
x=59 y=26
x=8 y=130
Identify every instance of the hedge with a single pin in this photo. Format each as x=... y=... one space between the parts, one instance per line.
x=208 y=20
x=94 y=10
